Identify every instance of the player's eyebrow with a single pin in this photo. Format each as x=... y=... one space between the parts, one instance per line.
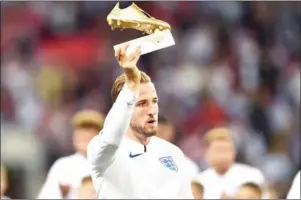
x=141 y=101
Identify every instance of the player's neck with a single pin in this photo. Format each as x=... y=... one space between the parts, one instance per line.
x=82 y=153
x=142 y=139
x=222 y=171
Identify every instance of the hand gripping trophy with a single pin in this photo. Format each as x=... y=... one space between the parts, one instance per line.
x=159 y=34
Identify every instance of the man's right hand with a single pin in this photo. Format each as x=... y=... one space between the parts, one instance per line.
x=128 y=62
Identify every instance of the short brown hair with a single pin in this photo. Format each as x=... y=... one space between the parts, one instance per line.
x=119 y=83
x=254 y=186
x=217 y=134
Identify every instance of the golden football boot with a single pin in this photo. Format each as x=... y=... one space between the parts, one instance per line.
x=135 y=18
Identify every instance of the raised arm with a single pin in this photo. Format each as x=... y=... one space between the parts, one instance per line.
x=102 y=148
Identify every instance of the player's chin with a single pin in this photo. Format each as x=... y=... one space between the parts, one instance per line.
x=148 y=131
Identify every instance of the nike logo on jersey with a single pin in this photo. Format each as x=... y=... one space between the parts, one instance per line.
x=135 y=155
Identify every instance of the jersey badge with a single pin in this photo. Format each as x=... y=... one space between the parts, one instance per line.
x=169 y=162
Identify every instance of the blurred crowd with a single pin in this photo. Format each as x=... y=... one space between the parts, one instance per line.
x=235 y=64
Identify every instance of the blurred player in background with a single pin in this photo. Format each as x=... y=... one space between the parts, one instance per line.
x=224 y=176
x=166 y=131
x=249 y=191
x=4 y=182
x=66 y=174
x=197 y=190
x=294 y=191
x=128 y=160
x=86 y=189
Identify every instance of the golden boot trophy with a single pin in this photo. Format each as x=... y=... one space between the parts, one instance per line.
x=135 y=18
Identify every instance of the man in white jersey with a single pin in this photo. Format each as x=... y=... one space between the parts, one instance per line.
x=65 y=175
x=128 y=160
x=224 y=177
x=294 y=192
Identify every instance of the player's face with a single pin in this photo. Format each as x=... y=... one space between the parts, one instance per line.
x=145 y=117
x=220 y=155
x=247 y=193
x=81 y=138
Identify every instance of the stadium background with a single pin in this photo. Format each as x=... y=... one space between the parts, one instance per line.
x=235 y=64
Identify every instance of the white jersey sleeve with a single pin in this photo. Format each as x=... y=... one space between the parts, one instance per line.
x=294 y=192
x=102 y=148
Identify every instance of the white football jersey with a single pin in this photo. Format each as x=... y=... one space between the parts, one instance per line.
x=124 y=168
x=68 y=170
x=216 y=185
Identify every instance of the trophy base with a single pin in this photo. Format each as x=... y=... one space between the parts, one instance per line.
x=150 y=43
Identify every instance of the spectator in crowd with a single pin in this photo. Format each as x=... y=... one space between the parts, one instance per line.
x=86 y=189
x=224 y=175
x=66 y=174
